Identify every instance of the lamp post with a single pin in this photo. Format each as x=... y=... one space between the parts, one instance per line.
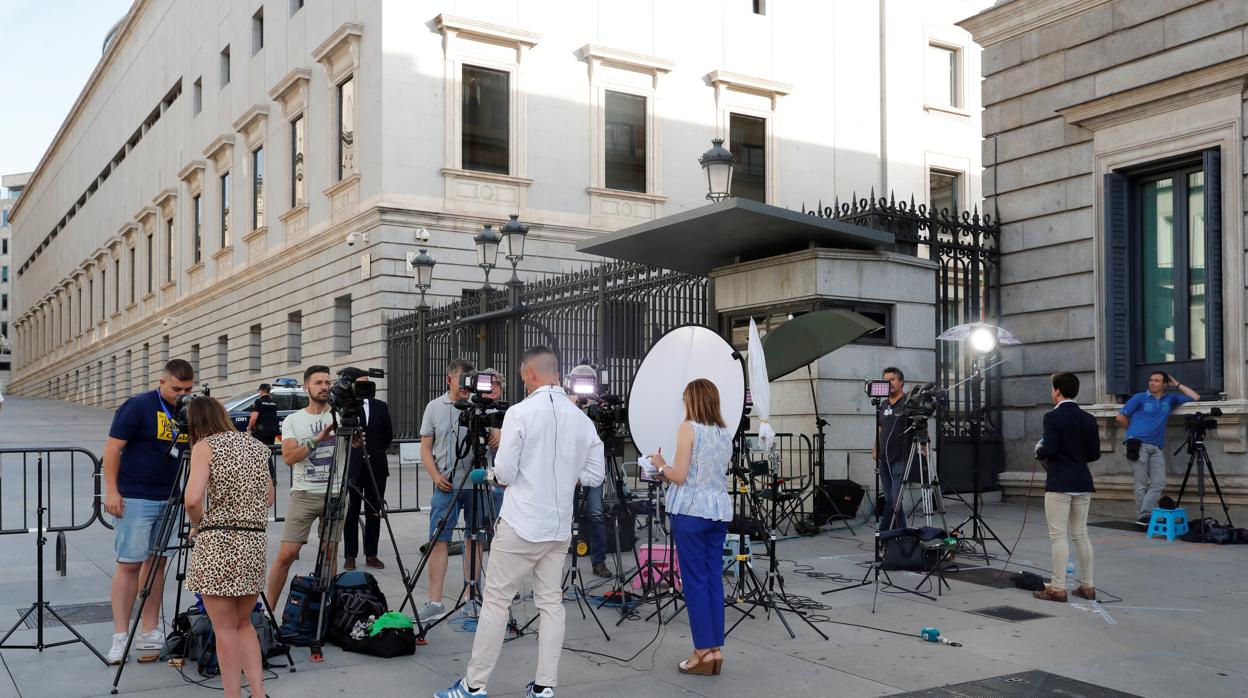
x=421 y=265
x=717 y=164
x=487 y=242
x=514 y=232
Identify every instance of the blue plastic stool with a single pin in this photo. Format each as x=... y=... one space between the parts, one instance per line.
x=1170 y=523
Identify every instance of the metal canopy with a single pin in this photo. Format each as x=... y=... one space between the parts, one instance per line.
x=727 y=232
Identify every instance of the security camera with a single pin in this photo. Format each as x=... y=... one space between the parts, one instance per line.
x=170 y=320
x=422 y=234
x=356 y=238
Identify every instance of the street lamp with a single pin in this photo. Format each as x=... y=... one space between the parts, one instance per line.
x=514 y=233
x=421 y=265
x=717 y=164
x=487 y=242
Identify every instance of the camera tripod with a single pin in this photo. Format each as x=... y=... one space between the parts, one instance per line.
x=657 y=577
x=931 y=493
x=1198 y=458
x=768 y=594
x=479 y=528
x=41 y=605
x=615 y=508
x=174 y=519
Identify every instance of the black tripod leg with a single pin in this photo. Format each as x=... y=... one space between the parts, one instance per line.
x=1191 y=461
x=1218 y=488
x=19 y=623
x=71 y=629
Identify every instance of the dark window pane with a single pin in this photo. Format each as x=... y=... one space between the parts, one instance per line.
x=1157 y=274
x=197 y=221
x=747 y=138
x=257 y=189
x=625 y=138
x=943 y=191
x=1197 y=332
x=225 y=210
x=296 y=162
x=346 y=129
x=486 y=111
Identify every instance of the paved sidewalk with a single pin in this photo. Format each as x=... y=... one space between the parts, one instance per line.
x=1179 y=629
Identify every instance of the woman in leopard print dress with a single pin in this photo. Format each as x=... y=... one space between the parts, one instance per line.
x=229 y=469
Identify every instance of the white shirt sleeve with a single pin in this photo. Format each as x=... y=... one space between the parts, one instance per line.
x=595 y=461
x=507 y=460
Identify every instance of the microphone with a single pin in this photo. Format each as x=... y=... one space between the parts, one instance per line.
x=477 y=475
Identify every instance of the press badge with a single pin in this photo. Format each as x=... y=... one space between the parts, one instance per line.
x=173 y=451
x=888 y=412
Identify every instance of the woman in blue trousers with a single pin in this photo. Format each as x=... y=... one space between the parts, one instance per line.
x=700 y=509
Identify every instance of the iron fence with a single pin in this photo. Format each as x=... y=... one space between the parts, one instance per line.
x=966 y=248
x=607 y=315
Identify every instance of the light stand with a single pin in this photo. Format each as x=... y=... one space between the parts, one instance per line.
x=981 y=532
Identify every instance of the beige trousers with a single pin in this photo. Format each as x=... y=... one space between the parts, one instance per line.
x=1067 y=516
x=511 y=560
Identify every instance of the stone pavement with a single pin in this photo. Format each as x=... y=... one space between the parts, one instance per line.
x=1177 y=631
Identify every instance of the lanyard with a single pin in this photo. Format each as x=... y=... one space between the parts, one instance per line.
x=173 y=426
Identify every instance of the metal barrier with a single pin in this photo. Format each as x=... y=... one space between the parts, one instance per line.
x=281 y=474
x=67 y=471
x=396 y=503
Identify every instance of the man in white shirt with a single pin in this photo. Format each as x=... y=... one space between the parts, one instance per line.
x=547 y=446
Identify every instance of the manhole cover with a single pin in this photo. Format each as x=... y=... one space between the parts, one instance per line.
x=75 y=613
x=1013 y=614
x=1031 y=683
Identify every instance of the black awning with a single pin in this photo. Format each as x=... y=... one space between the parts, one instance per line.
x=727 y=232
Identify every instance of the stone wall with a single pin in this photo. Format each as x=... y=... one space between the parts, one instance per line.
x=1074 y=89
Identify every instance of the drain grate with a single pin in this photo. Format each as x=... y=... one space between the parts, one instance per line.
x=1013 y=614
x=75 y=613
x=1034 y=684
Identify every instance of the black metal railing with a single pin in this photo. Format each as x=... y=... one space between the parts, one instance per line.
x=966 y=248
x=607 y=315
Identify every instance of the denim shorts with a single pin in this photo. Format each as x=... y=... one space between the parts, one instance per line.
x=446 y=504
x=138 y=529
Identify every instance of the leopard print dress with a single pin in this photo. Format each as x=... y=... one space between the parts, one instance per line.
x=228 y=562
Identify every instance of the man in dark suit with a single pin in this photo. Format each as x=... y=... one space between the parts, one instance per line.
x=1071 y=441
x=378 y=433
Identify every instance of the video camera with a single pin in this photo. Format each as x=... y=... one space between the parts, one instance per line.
x=1198 y=423
x=477 y=382
x=184 y=401
x=922 y=401
x=348 y=393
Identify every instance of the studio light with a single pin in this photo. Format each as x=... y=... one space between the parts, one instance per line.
x=983 y=339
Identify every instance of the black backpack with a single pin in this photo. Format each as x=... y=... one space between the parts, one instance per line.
x=356 y=597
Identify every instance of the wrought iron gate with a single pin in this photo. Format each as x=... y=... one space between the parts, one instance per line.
x=607 y=315
x=965 y=245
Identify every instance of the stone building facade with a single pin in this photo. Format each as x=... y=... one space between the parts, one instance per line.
x=1114 y=154
x=196 y=200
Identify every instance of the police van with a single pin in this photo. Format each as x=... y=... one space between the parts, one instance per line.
x=287 y=393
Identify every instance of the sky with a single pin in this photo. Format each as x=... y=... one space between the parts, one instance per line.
x=48 y=49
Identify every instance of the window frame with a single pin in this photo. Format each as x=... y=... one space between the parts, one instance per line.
x=258 y=213
x=298 y=160
x=197 y=228
x=648 y=137
x=340 y=172
x=729 y=144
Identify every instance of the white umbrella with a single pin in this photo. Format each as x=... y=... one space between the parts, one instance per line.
x=982 y=336
x=760 y=389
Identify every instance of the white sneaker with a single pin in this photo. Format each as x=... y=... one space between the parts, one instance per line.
x=431 y=612
x=117 y=654
x=153 y=639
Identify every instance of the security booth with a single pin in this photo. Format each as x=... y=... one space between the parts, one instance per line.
x=773 y=264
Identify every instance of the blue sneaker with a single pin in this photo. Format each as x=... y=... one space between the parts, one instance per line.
x=459 y=690
x=547 y=692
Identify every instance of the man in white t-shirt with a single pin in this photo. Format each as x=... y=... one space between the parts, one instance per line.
x=308 y=448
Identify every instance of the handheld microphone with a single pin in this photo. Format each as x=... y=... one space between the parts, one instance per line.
x=477 y=476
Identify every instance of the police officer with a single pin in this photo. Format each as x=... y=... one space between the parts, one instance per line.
x=263 y=421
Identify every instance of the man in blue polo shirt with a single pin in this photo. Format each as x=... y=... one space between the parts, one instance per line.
x=1144 y=417
x=141 y=460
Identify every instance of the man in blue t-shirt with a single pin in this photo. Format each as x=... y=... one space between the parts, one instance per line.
x=1144 y=417
x=141 y=460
